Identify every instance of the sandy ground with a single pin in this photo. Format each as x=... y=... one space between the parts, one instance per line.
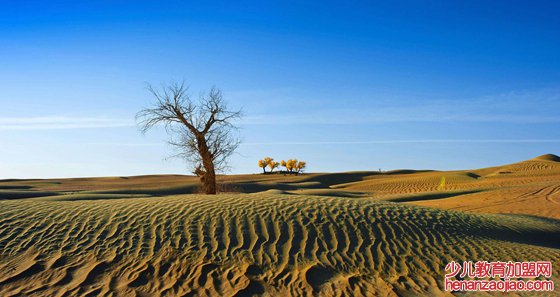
x=340 y=234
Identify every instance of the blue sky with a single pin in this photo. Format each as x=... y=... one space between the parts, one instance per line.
x=345 y=86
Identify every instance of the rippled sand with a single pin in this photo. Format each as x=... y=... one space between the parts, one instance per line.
x=330 y=234
x=243 y=245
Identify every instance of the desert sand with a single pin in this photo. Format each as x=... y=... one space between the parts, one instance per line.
x=329 y=234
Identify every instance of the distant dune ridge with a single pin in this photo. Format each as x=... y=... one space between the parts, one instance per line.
x=548 y=157
x=310 y=235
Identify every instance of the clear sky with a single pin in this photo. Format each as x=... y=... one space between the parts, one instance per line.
x=349 y=85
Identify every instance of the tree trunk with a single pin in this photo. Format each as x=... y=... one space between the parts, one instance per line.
x=210 y=182
x=209 y=178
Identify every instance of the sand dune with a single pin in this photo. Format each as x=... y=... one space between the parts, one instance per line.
x=530 y=187
x=250 y=244
x=340 y=234
x=548 y=157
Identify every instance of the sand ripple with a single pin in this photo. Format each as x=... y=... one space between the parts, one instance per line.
x=247 y=245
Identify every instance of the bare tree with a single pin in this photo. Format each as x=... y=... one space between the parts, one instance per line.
x=202 y=132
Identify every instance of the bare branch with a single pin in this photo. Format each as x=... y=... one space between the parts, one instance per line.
x=202 y=133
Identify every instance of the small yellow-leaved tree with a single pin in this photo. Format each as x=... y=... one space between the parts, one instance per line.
x=292 y=165
x=272 y=165
x=266 y=162
x=262 y=165
x=300 y=166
